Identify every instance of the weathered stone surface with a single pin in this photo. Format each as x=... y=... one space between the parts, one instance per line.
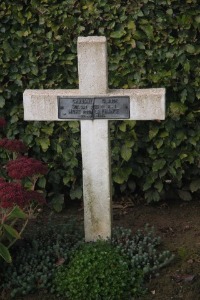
x=92 y=65
x=145 y=104
x=96 y=179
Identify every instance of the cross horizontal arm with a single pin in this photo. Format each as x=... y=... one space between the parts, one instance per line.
x=145 y=104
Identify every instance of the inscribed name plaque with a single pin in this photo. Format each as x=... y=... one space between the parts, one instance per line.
x=90 y=108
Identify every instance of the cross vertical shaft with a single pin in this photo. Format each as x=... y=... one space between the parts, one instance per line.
x=92 y=66
x=44 y=105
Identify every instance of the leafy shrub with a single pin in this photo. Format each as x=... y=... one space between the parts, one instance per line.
x=97 y=271
x=150 y=44
x=35 y=260
x=18 y=198
x=93 y=274
x=8 y=234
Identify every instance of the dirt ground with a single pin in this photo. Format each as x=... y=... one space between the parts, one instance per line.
x=178 y=225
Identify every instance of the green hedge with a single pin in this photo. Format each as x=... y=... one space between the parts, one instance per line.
x=150 y=44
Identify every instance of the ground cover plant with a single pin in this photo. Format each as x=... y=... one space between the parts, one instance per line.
x=97 y=271
x=35 y=259
x=56 y=260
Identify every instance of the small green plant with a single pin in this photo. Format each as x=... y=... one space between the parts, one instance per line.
x=183 y=253
x=97 y=271
x=8 y=217
x=35 y=260
x=142 y=249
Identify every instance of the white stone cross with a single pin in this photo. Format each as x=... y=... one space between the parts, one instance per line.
x=145 y=104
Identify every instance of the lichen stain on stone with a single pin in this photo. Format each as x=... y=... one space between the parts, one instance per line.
x=95 y=227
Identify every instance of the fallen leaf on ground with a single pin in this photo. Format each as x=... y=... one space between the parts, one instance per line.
x=183 y=277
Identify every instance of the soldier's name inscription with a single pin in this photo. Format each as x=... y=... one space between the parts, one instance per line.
x=90 y=108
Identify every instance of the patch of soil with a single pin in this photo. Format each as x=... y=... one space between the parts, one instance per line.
x=178 y=225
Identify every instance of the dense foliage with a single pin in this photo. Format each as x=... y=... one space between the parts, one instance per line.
x=57 y=260
x=97 y=271
x=150 y=44
x=35 y=260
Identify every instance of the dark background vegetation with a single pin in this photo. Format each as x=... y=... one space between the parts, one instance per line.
x=150 y=44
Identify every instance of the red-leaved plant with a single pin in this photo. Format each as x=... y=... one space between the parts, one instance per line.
x=18 y=200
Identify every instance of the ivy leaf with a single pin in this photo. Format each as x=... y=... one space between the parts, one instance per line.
x=147 y=185
x=2 y=101
x=41 y=182
x=190 y=49
x=122 y=175
x=70 y=56
x=57 y=201
x=152 y=195
x=49 y=35
x=28 y=15
x=164 y=134
x=117 y=34
x=44 y=142
x=159 y=185
x=58 y=149
x=197 y=19
x=177 y=109
x=126 y=152
x=183 y=95
x=27 y=183
x=140 y=45
x=131 y=25
x=195 y=185
x=185 y=195
x=8 y=49
x=153 y=132
x=76 y=193
x=148 y=30
x=130 y=143
x=118 y=178
x=122 y=127
x=74 y=125
x=158 y=164
x=47 y=129
x=159 y=143
x=169 y=11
